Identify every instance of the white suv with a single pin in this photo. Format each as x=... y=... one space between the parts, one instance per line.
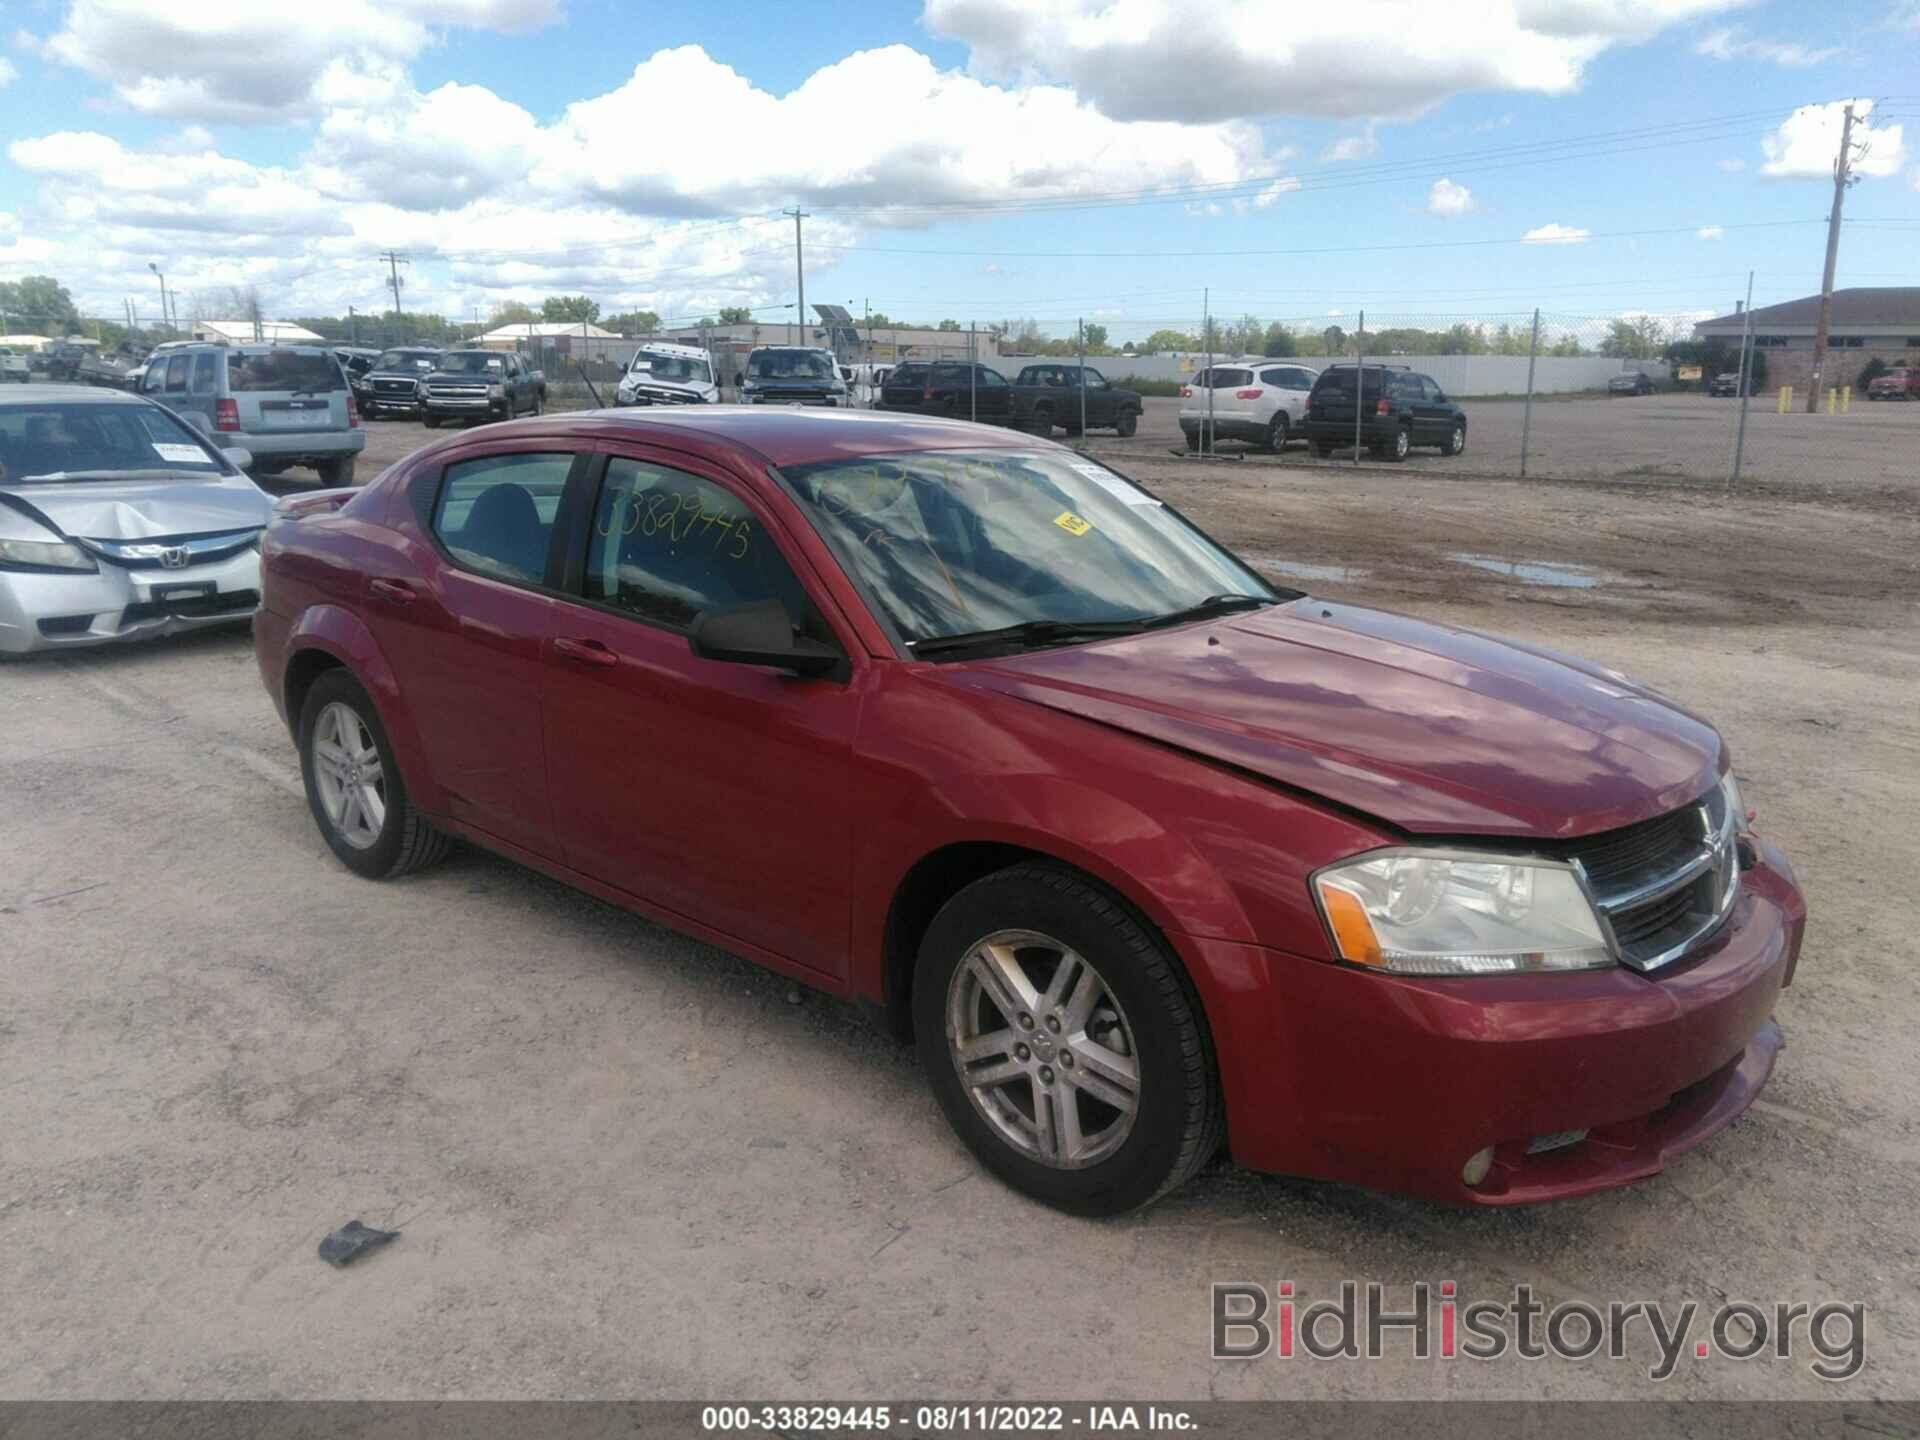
x=1256 y=400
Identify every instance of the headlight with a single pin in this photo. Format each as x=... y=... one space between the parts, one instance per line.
x=497 y=391
x=1444 y=912
x=1733 y=805
x=45 y=555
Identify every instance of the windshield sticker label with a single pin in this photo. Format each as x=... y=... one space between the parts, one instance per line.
x=1111 y=483
x=181 y=454
x=1072 y=523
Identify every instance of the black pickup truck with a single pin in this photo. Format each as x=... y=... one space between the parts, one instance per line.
x=391 y=385
x=1048 y=395
x=481 y=385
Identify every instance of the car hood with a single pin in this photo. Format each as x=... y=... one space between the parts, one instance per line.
x=137 y=510
x=1431 y=729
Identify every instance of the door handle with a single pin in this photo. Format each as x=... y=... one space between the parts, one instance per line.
x=392 y=590
x=587 y=652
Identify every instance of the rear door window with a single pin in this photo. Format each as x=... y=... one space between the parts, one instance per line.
x=177 y=367
x=496 y=514
x=667 y=545
x=206 y=367
x=283 y=371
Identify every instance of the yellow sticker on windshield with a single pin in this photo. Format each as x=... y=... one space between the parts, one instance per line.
x=1072 y=523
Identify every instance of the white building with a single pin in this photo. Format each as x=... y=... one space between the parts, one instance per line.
x=242 y=332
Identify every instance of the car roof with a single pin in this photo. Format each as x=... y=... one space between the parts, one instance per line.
x=68 y=395
x=773 y=434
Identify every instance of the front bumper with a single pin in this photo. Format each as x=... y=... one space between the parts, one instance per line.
x=1393 y=1082
x=825 y=401
x=64 y=612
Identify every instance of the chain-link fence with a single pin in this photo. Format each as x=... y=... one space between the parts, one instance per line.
x=1540 y=393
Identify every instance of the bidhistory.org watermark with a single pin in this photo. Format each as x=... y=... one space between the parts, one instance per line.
x=1430 y=1321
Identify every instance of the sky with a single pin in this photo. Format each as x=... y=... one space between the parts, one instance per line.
x=1130 y=162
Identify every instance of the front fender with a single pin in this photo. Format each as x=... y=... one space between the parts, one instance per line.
x=343 y=635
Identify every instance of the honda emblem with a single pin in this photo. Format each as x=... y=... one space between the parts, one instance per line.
x=175 y=557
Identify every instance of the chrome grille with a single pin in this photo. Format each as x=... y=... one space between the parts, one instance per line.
x=1665 y=884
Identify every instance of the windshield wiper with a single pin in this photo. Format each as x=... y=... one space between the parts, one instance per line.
x=1028 y=632
x=1212 y=605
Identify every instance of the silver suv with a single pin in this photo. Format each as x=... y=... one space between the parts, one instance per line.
x=287 y=404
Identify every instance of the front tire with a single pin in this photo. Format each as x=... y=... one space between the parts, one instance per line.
x=354 y=787
x=430 y=420
x=1128 y=423
x=1456 y=440
x=1064 y=1043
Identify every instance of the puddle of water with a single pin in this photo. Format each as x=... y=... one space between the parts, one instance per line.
x=1300 y=570
x=1533 y=572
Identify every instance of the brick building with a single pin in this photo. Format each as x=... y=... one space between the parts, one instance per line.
x=1881 y=321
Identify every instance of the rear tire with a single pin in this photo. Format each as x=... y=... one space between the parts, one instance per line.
x=1395 y=449
x=337 y=474
x=350 y=774
x=430 y=420
x=1277 y=435
x=1043 y=421
x=1127 y=1027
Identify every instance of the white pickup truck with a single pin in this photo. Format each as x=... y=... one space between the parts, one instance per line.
x=13 y=367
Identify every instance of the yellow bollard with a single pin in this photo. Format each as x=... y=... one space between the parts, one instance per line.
x=1786 y=398
x=1833 y=396
x=1846 y=399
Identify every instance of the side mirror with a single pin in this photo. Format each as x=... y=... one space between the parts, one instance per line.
x=760 y=634
x=237 y=457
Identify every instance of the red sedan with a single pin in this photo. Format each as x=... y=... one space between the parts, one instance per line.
x=1141 y=851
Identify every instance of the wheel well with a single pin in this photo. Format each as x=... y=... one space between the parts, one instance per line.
x=933 y=881
x=306 y=667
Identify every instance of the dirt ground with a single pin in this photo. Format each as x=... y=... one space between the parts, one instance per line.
x=625 y=1164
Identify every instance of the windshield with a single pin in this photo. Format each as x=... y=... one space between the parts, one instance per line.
x=680 y=368
x=790 y=365
x=406 y=360
x=282 y=370
x=45 y=442
x=470 y=362
x=948 y=543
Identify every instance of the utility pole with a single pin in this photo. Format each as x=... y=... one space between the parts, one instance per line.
x=800 y=272
x=1746 y=384
x=353 y=327
x=395 y=259
x=1841 y=166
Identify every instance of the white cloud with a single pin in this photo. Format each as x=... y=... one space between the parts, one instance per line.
x=253 y=62
x=1732 y=165
x=1808 y=140
x=1711 y=232
x=1915 y=177
x=1270 y=194
x=1731 y=44
x=495 y=205
x=1449 y=199
x=7 y=73
x=1166 y=60
x=949 y=139
x=1555 y=234
x=1352 y=147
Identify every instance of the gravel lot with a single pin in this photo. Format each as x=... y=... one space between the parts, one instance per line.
x=626 y=1165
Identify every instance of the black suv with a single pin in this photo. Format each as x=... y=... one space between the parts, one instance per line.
x=945 y=387
x=1399 y=409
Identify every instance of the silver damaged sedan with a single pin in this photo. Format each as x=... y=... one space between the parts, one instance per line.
x=118 y=521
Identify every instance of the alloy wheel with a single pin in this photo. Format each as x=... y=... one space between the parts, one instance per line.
x=1043 y=1049
x=349 y=775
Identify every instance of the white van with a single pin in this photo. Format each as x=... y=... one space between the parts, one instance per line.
x=661 y=373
